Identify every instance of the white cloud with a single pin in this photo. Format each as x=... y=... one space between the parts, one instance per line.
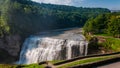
x=62 y=2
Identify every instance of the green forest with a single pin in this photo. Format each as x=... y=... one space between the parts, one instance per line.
x=26 y=17
x=108 y=23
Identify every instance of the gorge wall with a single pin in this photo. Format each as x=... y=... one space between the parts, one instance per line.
x=9 y=48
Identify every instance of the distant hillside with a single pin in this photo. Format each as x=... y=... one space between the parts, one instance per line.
x=27 y=17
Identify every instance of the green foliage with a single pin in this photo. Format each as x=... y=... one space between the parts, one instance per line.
x=105 y=23
x=56 y=61
x=26 y=17
x=112 y=44
x=114 y=26
x=89 y=26
x=4 y=28
x=31 y=66
x=21 y=66
x=106 y=26
x=97 y=25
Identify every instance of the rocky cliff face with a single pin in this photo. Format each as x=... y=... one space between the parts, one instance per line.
x=11 y=44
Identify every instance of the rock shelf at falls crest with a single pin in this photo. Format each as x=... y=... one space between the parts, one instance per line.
x=65 y=45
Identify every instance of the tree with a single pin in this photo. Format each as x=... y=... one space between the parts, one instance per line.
x=4 y=28
x=89 y=26
x=114 y=26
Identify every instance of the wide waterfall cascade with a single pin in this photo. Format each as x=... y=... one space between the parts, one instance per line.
x=36 y=49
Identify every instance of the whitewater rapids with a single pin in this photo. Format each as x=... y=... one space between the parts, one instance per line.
x=56 y=45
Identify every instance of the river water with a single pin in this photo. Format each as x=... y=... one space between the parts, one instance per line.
x=53 y=45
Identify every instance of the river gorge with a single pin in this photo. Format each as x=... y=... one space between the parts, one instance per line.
x=60 y=44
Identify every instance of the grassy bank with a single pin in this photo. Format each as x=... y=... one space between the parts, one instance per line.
x=103 y=42
x=109 y=43
x=21 y=66
x=85 y=61
x=112 y=44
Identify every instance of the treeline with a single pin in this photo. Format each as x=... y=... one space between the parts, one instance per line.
x=105 y=23
x=27 y=17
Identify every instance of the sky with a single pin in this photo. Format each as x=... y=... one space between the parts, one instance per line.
x=110 y=4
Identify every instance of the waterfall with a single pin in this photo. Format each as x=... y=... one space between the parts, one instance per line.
x=36 y=49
